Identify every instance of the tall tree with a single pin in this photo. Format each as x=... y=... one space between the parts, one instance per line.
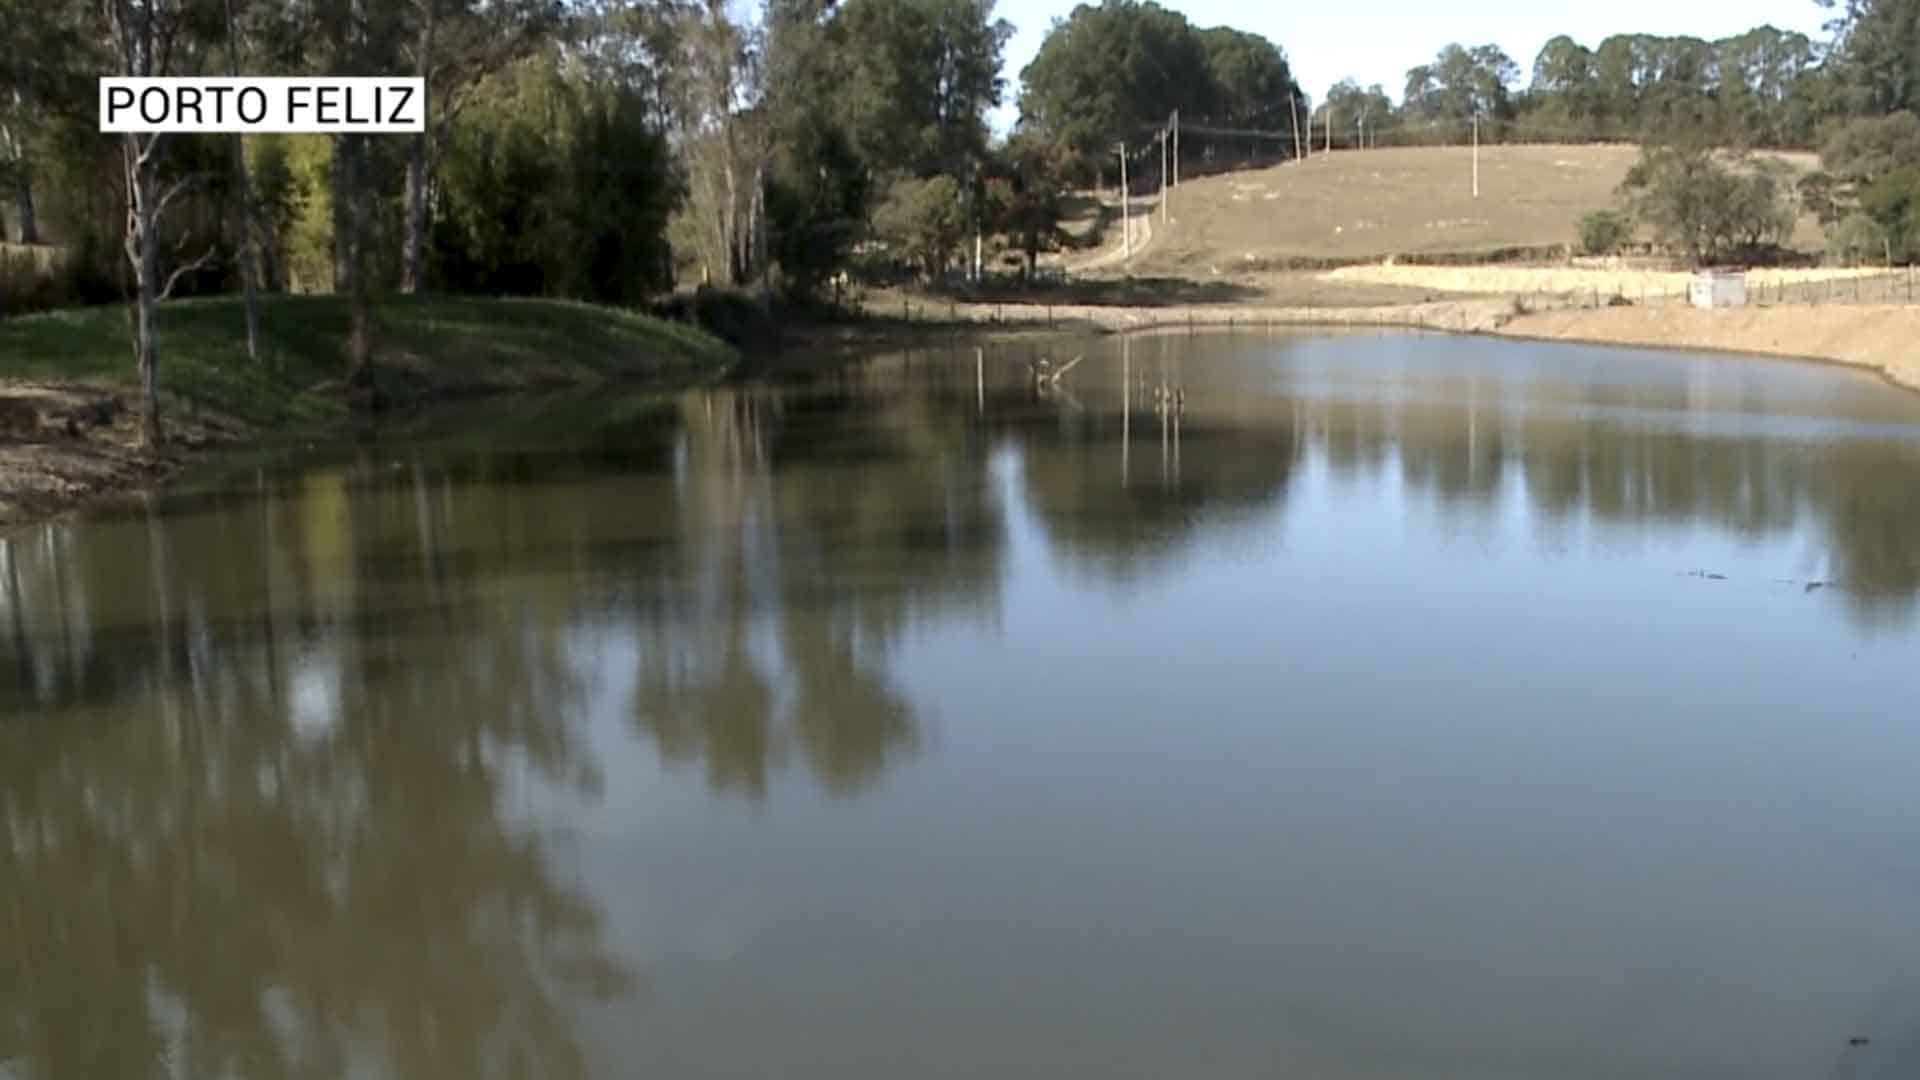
x=914 y=80
x=455 y=44
x=147 y=37
x=712 y=83
x=1252 y=81
x=1115 y=71
x=1460 y=84
x=249 y=249
x=41 y=78
x=1876 y=52
x=1362 y=110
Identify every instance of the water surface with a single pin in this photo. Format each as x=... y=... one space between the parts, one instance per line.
x=1405 y=707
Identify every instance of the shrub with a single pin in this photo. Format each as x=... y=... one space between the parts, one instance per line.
x=1855 y=239
x=1604 y=232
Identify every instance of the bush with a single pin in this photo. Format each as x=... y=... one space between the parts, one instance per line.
x=924 y=220
x=1604 y=232
x=1893 y=204
x=1856 y=239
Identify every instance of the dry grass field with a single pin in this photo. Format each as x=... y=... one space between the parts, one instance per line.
x=1373 y=204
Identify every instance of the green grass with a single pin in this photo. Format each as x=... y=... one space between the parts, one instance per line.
x=425 y=345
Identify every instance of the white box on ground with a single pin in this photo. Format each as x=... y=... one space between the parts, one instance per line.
x=1718 y=289
x=306 y=105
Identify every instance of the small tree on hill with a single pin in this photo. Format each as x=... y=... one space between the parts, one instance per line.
x=1604 y=232
x=1704 y=209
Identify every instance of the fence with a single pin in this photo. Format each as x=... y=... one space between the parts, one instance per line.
x=1454 y=311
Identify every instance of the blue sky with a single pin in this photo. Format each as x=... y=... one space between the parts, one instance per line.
x=1378 y=40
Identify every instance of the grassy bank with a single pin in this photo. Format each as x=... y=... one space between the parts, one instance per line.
x=427 y=347
x=76 y=365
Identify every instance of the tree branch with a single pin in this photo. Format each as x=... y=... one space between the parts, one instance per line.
x=182 y=271
x=147 y=151
x=175 y=190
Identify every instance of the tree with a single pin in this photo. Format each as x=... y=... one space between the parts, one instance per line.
x=1707 y=210
x=914 y=80
x=33 y=75
x=1866 y=149
x=1035 y=170
x=456 y=43
x=925 y=220
x=1366 y=110
x=816 y=203
x=1252 y=81
x=249 y=250
x=1565 y=88
x=1604 y=232
x=360 y=39
x=1877 y=53
x=555 y=184
x=1857 y=156
x=712 y=82
x=1892 y=203
x=1110 y=71
x=1461 y=84
x=147 y=36
x=818 y=184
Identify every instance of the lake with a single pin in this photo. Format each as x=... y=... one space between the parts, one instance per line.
x=1395 y=706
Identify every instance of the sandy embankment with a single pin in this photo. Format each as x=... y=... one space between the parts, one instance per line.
x=1576 y=280
x=1881 y=337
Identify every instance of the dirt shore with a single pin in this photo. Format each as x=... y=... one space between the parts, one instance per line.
x=62 y=445
x=1878 y=337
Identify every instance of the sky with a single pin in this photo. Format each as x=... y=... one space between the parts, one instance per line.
x=1378 y=40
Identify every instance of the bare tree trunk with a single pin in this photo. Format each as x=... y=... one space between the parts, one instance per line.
x=338 y=167
x=413 y=246
x=730 y=212
x=249 y=252
x=24 y=210
x=359 y=313
x=143 y=255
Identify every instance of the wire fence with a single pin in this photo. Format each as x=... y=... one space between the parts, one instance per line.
x=1853 y=286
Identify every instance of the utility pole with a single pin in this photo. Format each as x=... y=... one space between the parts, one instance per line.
x=1164 y=189
x=1176 y=148
x=1329 y=127
x=1126 y=223
x=1476 y=154
x=1293 y=106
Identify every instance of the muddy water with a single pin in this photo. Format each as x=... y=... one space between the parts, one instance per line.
x=1403 y=707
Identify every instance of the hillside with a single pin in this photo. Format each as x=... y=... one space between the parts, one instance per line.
x=1371 y=204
